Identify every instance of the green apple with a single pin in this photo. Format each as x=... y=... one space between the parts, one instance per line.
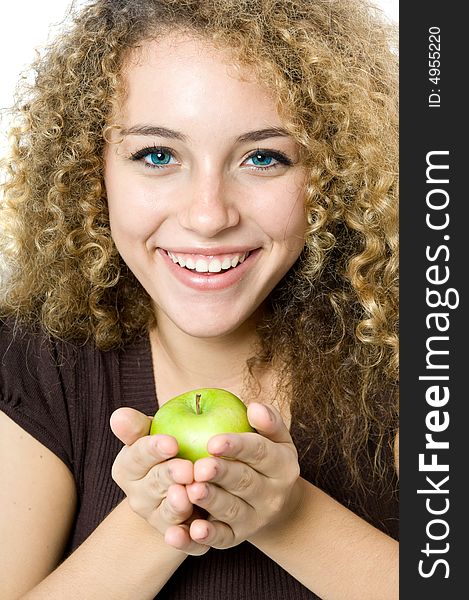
x=195 y=416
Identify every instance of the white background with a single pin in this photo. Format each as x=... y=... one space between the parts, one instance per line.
x=27 y=24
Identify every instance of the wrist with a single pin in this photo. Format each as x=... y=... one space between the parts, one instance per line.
x=288 y=514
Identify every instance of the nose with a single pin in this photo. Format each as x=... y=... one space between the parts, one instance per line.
x=208 y=209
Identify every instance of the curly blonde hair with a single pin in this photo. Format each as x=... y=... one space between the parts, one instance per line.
x=332 y=321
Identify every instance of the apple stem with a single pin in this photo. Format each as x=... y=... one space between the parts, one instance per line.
x=197 y=404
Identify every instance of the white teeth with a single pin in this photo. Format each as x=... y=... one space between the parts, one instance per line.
x=201 y=266
x=214 y=266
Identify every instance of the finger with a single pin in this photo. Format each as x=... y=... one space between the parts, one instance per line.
x=174 y=470
x=267 y=421
x=255 y=450
x=178 y=501
x=129 y=425
x=221 y=505
x=174 y=509
x=146 y=494
x=213 y=533
x=135 y=461
x=235 y=477
x=158 y=499
x=178 y=537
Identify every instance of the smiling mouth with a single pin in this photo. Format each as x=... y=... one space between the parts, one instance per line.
x=208 y=264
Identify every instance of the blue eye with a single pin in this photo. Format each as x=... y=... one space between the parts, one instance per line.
x=162 y=157
x=154 y=157
x=265 y=160
x=260 y=159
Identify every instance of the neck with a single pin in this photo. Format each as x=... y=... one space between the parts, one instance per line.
x=183 y=362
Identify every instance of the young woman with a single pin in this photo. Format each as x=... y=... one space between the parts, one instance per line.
x=203 y=194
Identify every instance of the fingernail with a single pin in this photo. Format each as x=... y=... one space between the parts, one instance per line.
x=204 y=534
x=162 y=446
x=221 y=450
x=270 y=414
x=154 y=446
x=203 y=494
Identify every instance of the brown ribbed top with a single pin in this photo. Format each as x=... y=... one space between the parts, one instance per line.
x=64 y=394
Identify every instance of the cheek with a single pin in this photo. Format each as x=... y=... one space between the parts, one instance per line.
x=288 y=224
x=132 y=211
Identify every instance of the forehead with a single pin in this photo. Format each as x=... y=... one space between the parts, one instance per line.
x=189 y=74
x=173 y=49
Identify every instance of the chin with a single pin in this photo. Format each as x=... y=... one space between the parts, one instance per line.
x=207 y=323
x=207 y=330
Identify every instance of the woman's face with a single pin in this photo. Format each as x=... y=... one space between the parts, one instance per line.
x=205 y=190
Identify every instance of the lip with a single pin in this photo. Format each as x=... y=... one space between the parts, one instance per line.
x=206 y=282
x=209 y=251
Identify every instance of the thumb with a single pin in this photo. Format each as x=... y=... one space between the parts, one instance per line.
x=129 y=425
x=267 y=421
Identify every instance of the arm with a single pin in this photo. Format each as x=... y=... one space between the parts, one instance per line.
x=123 y=558
x=259 y=497
x=37 y=504
x=331 y=550
x=349 y=554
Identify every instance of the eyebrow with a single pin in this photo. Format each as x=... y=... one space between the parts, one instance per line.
x=262 y=134
x=153 y=130
x=251 y=136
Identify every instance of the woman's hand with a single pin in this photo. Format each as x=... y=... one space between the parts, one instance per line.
x=153 y=480
x=250 y=490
